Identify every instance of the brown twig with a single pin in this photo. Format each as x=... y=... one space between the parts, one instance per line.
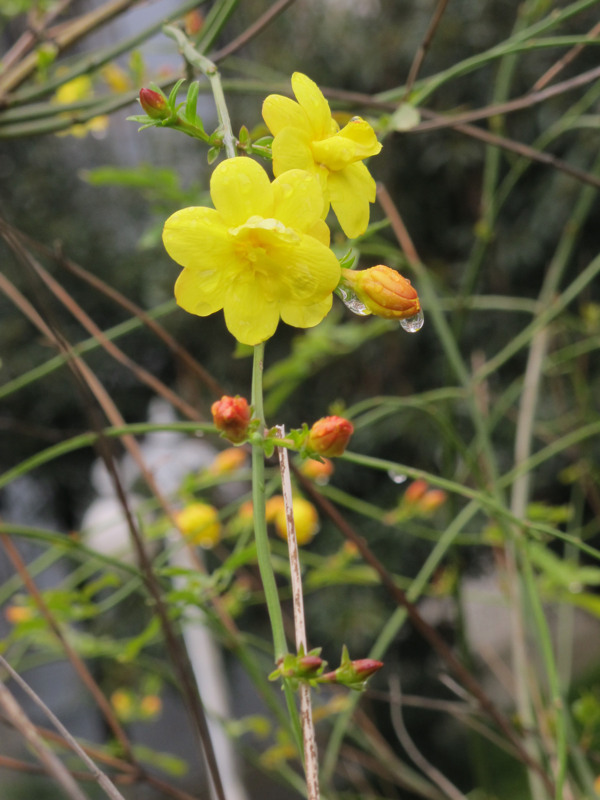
x=52 y=765
x=528 y=100
x=311 y=760
x=425 y=630
x=32 y=35
x=69 y=34
x=90 y=385
x=119 y=299
x=103 y=780
x=568 y=57
x=252 y=31
x=74 y=658
x=424 y=46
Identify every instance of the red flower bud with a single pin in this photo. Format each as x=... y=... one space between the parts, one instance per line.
x=365 y=667
x=383 y=291
x=231 y=416
x=415 y=491
x=154 y=104
x=309 y=665
x=329 y=436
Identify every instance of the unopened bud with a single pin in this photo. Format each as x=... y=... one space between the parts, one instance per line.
x=415 y=491
x=383 y=291
x=154 y=104
x=353 y=674
x=432 y=500
x=329 y=436
x=231 y=416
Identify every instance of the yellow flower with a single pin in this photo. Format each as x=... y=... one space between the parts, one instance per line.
x=199 y=523
x=306 y=520
x=307 y=137
x=262 y=253
x=73 y=91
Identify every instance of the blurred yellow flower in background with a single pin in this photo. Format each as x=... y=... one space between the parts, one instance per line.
x=199 y=523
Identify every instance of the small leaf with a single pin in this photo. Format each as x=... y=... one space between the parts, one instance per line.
x=191 y=104
x=213 y=154
x=404 y=118
x=244 y=135
x=173 y=94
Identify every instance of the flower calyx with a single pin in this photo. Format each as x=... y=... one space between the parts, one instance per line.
x=352 y=673
x=300 y=668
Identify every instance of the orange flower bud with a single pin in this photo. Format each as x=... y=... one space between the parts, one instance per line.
x=415 y=491
x=228 y=461
x=329 y=436
x=383 y=292
x=154 y=104
x=432 y=500
x=318 y=471
x=231 y=416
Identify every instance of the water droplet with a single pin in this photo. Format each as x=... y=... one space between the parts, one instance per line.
x=397 y=477
x=352 y=302
x=413 y=324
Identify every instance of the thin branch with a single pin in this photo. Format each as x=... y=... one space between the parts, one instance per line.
x=252 y=31
x=424 y=46
x=311 y=760
x=53 y=766
x=413 y=752
x=572 y=54
x=102 y=779
x=427 y=631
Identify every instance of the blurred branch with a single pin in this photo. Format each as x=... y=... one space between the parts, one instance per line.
x=424 y=46
x=68 y=34
x=52 y=765
x=100 y=777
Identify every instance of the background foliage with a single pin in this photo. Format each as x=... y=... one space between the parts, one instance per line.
x=494 y=401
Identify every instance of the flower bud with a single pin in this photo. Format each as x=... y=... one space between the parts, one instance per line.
x=228 y=461
x=317 y=471
x=383 y=291
x=329 y=436
x=353 y=674
x=199 y=523
x=231 y=416
x=432 y=500
x=415 y=491
x=154 y=104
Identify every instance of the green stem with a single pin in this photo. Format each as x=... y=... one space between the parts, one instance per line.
x=208 y=68
x=263 y=550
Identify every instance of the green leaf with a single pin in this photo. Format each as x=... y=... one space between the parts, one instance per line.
x=404 y=118
x=191 y=104
x=173 y=94
x=212 y=155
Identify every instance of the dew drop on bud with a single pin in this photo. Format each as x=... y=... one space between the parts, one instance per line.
x=397 y=477
x=413 y=324
x=352 y=302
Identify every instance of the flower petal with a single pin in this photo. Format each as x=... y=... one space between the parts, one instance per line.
x=282 y=112
x=199 y=296
x=316 y=106
x=298 y=199
x=351 y=191
x=291 y=150
x=304 y=272
x=364 y=137
x=250 y=314
x=303 y=315
x=240 y=188
x=196 y=238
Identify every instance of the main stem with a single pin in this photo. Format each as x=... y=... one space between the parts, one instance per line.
x=263 y=551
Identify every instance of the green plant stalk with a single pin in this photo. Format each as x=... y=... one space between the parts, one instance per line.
x=391 y=629
x=263 y=550
x=206 y=66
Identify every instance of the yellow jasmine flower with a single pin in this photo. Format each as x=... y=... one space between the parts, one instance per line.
x=262 y=253
x=73 y=91
x=307 y=137
x=306 y=520
x=199 y=523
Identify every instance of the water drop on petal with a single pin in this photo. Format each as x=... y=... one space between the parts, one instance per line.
x=413 y=324
x=352 y=302
x=397 y=477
